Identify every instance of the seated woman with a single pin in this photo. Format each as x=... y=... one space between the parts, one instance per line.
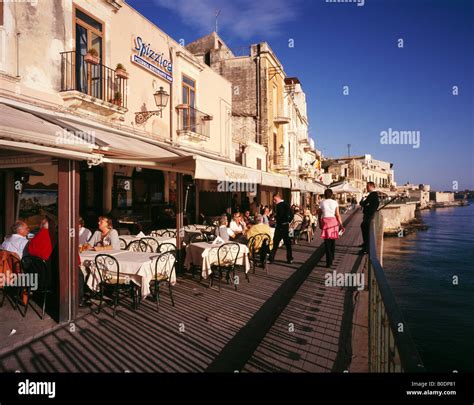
x=106 y=238
x=238 y=226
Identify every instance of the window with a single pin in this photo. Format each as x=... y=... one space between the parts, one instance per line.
x=189 y=98
x=89 y=34
x=259 y=164
x=1 y=12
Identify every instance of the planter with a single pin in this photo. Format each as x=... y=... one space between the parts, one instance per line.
x=122 y=73
x=93 y=60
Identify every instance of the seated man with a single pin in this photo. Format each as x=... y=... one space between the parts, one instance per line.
x=259 y=227
x=17 y=241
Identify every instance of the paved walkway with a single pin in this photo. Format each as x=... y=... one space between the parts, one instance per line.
x=208 y=330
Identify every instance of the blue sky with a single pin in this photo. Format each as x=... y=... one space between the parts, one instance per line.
x=346 y=44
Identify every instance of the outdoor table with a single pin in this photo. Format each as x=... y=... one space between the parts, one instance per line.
x=159 y=239
x=140 y=267
x=197 y=254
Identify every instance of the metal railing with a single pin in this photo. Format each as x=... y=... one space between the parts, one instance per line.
x=391 y=348
x=279 y=160
x=98 y=81
x=192 y=120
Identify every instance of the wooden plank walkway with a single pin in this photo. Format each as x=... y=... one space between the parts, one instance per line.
x=204 y=324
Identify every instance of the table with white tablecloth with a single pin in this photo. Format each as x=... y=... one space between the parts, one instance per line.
x=198 y=254
x=138 y=266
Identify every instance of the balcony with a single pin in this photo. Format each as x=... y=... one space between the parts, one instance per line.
x=279 y=162
x=280 y=118
x=92 y=87
x=193 y=125
x=306 y=172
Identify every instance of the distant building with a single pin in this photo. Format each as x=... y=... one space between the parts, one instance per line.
x=441 y=197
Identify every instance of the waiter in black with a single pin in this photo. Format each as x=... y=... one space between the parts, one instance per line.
x=283 y=219
x=369 y=206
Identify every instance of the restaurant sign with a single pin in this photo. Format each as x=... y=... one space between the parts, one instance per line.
x=155 y=62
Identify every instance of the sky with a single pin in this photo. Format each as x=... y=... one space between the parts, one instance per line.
x=370 y=70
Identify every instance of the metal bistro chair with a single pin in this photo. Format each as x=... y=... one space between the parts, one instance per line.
x=152 y=244
x=198 y=237
x=165 y=268
x=111 y=281
x=210 y=232
x=166 y=247
x=138 y=245
x=224 y=258
x=123 y=244
x=155 y=234
x=259 y=248
x=33 y=266
x=168 y=234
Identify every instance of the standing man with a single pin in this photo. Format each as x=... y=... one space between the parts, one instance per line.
x=283 y=218
x=369 y=206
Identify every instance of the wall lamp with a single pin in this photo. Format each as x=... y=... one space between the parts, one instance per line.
x=161 y=101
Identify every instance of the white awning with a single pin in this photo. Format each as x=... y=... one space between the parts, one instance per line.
x=298 y=185
x=275 y=180
x=26 y=132
x=315 y=188
x=208 y=169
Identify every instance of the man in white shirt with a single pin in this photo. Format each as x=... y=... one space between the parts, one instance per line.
x=17 y=241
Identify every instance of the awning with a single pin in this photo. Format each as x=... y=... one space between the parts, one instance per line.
x=26 y=132
x=315 y=188
x=298 y=185
x=207 y=169
x=275 y=180
x=344 y=188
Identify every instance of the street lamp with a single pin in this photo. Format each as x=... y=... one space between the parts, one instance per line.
x=282 y=149
x=161 y=100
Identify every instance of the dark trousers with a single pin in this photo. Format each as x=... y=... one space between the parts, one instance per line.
x=365 y=227
x=330 y=246
x=281 y=232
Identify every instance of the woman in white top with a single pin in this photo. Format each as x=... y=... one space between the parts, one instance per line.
x=330 y=222
x=238 y=226
x=106 y=238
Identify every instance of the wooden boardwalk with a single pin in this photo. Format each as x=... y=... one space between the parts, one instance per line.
x=287 y=320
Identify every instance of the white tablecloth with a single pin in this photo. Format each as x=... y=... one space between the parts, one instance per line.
x=198 y=254
x=140 y=267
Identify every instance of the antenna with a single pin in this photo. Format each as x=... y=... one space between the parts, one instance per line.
x=217 y=13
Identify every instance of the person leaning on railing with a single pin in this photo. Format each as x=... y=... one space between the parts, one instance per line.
x=369 y=205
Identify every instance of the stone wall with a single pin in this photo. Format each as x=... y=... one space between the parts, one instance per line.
x=396 y=215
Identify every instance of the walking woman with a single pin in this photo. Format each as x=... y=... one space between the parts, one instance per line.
x=330 y=222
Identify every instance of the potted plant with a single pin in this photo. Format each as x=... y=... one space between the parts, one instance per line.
x=118 y=98
x=120 y=71
x=92 y=57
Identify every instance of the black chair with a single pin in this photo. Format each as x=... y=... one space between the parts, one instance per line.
x=155 y=234
x=198 y=237
x=224 y=259
x=123 y=244
x=210 y=232
x=151 y=243
x=259 y=249
x=34 y=267
x=168 y=234
x=167 y=262
x=111 y=281
x=137 y=245
x=166 y=247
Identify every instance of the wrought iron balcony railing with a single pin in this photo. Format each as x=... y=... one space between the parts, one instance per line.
x=95 y=80
x=193 y=124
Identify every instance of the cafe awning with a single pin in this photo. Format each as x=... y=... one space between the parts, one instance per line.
x=275 y=180
x=24 y=131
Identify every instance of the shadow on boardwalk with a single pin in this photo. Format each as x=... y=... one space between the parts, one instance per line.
x=191 y=335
